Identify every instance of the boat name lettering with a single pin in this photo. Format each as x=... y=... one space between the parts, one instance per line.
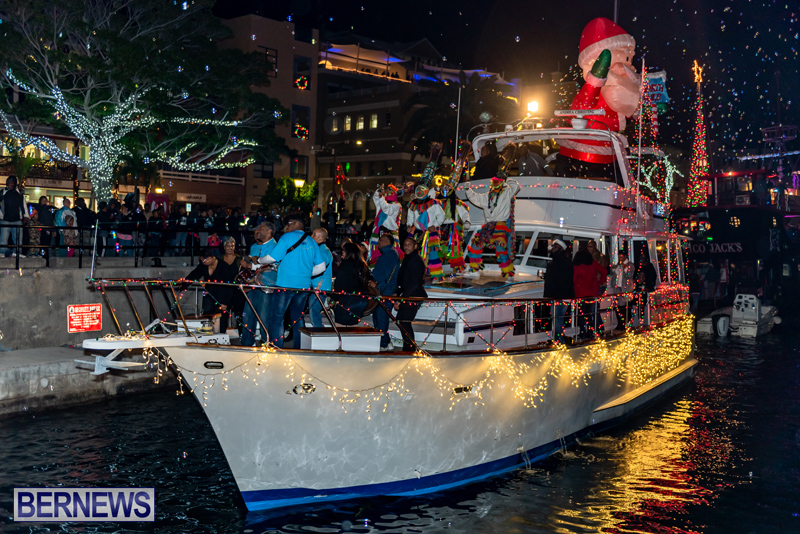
x=716 y=248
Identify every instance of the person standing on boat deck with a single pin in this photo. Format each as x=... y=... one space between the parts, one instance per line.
x=530 y=163
x=217 y=297
x=488 y=164
x=352 y=285
x=427 y=215
x=409 y=284
x=387 y=219
x=498 y=228
x=300 y=259
x=456 y=217
x=587 y=273
x=385 y=275
x=264 y=243
x=602 y=259
x=559 y=285
x=322 y=281
x=620 y=282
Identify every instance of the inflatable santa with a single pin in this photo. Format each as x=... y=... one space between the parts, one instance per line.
x=612 y=84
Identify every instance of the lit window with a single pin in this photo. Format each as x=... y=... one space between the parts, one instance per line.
x=360 y=122
x=335 y=125
x=347 y=123
x=373 y=121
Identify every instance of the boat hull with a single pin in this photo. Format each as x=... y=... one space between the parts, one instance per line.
x=301 y=427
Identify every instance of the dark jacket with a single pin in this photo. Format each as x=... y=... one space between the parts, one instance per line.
x=348 y=280
x=486 y=167
x=85 y=216
x=12 y=204
x=558 y=278
x=47 y=216
x=410 y=278
x=386 y=270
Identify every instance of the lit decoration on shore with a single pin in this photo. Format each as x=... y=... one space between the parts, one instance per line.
x=697 y=192
x=301 y=82
x=300 y=132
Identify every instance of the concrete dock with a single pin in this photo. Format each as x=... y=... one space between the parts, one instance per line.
x=34 y=380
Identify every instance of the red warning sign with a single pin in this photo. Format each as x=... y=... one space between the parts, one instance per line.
x=84 y=318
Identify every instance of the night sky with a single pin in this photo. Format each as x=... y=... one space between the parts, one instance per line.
x=745 y=46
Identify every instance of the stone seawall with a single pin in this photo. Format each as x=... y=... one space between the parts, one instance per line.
x=34 y=380
x=34 y=299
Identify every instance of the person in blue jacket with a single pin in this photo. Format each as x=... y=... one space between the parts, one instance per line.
x=323 y=281
x=300 y=259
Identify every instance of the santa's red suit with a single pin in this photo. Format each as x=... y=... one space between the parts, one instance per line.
x=600 y=34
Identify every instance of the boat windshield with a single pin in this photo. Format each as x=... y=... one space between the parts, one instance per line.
x=542 y=157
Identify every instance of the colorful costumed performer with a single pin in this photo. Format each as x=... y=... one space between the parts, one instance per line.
x=426 y=215
x=612 y=84
x=387 y=220
x=456 y=221
x=498 y=226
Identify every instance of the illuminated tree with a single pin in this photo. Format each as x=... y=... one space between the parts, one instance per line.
x=696 y=194
x=118 y=74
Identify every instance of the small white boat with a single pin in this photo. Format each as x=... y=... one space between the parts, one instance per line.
x=746 y=318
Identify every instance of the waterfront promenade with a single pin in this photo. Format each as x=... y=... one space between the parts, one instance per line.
x=37 y=353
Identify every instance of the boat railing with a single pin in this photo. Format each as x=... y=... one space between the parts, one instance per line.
x=462 y=324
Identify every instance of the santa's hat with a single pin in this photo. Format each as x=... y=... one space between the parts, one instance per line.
x=601 y=34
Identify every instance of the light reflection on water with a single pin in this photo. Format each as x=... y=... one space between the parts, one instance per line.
x=721 y=455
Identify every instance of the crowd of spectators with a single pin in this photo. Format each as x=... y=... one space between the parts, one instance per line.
x=126 y=228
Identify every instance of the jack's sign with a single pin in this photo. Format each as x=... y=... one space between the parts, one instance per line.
x=715 y=248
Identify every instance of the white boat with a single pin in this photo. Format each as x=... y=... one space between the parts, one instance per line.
x=747 y=317
x=487 y=390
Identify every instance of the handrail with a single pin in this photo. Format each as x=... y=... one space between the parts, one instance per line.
x=391 y=298
x=585 y=313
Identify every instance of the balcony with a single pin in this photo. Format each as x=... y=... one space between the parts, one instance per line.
x=201 y=177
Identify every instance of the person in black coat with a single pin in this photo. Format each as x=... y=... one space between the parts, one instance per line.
x=409 y=284
x=559 y=283
x=352 y=277
x=488 y=164
x=218 y=299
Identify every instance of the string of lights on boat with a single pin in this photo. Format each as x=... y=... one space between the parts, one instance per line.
x=638 y=356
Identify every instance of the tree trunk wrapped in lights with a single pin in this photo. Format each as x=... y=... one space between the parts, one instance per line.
x=141 y=78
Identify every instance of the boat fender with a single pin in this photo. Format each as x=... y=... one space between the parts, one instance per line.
x=721 y=324
x=777 y=320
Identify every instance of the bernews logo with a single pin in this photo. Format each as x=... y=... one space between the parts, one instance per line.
x=84 y=504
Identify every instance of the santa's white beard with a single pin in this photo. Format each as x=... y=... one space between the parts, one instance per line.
x=621 y=91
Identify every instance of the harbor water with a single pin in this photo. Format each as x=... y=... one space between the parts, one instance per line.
x=719 y=455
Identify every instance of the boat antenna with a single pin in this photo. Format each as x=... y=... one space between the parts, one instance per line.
x=458 y=121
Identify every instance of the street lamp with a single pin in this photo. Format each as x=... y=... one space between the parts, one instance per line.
x=299 y=182
x=533 y=106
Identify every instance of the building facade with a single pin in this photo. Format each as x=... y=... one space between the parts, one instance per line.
x=292 y=53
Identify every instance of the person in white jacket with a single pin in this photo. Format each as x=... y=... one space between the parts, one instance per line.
x=456 y=222
x=426 y=215
x=498 y=229
x=387 y=221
